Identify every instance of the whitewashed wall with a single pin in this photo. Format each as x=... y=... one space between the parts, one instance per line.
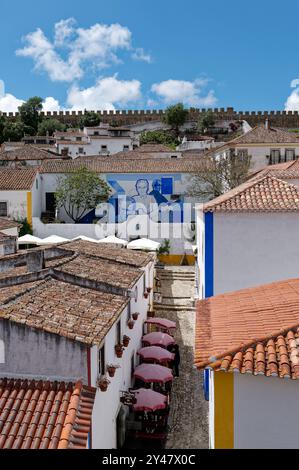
x=265 y=412
x=114 y=145
x=16 y=203
x=107 y=404
x=254 y=249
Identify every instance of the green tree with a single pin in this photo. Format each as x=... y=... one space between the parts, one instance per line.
x=219 y=175
x=89 y=119
x=13 y=131
x=159 y=137
x=81 y=191
x=29 y=112
x=50 y=125
x=26 y=227
x=2 y=125
x=175 y=116
x=205 y=121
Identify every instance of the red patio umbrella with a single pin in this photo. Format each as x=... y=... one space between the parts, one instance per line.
x=158 y=338
x=149 y=400
x=155 y=353
x=153 y=373
x=162 y=322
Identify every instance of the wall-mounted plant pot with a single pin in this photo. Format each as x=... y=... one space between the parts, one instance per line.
x=145 y=295
x=150 y=313
x=111 y=369
x=126 y=340
x=119 y=349
x=148 y=289
x=131 y=324
x=103 y=384
x=135 y=316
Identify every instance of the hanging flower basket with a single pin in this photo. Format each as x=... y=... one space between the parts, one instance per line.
x=119 y=349
x=131 y=324
x=111 y=369
x=135 y=315
x=148 y=289
x=103 y=383
x=150 y=313
x=145 y=294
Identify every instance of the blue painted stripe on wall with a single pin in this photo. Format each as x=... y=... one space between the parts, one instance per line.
x=209 y=254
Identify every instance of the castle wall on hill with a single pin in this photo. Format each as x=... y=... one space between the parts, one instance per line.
x=285 y=119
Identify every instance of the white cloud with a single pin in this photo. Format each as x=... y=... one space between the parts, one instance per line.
x=50 y=104
x=139 y=54
x=9 y=103
x=83 y=48
x=292 y=102
x=105 y=94
x=63 y=30
x=190 y=93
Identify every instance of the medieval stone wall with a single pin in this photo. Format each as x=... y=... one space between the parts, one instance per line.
x=286 y=119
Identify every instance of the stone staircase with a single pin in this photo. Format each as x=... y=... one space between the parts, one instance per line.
x=177 y=288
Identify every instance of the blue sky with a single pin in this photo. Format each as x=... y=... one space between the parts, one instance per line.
x=137 y=54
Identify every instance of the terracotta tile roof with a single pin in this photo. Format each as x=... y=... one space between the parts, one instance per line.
x=261 y=135
x=107 y=165
x=7 y=294
x=284 y=171
x=27 y=152
x=276 y=357
x=17 y=179
x=109 y=252
x=101 y=270
x=152 y=148
x=238 y=330
x=81 y=314
x=44 y=415
x=6 y=224
x=263 y=194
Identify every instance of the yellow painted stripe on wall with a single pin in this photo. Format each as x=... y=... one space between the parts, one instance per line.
x=224 y=410
x=29 y=207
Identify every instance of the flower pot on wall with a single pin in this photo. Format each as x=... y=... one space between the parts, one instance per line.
x=148 y=289
x=111 y=369
x=131 y=324
x=150 y=313
x=145 y=294
x=135 y=316
x=126 y=340
x=103 y=384
x=119 y=349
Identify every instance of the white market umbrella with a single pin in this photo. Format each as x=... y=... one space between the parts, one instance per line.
x=28 y=240
x=52 y=239
x=144 y=244
x=85 y=239
x=113 y=239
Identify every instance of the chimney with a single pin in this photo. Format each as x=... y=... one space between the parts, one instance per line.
x=267 y=123
x=35 y=261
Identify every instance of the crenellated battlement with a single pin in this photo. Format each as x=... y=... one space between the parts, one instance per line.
x=286 y=119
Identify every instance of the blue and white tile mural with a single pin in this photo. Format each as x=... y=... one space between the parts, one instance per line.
x=158 y=196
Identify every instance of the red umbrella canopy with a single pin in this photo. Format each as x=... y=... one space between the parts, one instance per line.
x=155 y=353
x=148 y=400
x=153 y=373
x=158 y=339
x=162 y=322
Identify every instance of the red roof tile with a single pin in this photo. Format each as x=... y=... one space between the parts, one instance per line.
x=265 y=194
x=251 y=330
x=44 y=415
x=17 y=179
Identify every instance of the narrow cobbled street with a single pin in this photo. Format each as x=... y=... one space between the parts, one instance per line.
x=188 y=415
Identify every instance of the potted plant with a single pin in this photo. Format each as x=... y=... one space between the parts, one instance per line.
x=148 y=289
x=131 y=323
x=119 y=349
x=103 y=383
x=111 y=368
x=135 y=316
x=145 y=294
x=126 y=340
x=150 y=313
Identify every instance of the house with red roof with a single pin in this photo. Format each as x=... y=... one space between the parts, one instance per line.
x=247 y=342
x=248 y=236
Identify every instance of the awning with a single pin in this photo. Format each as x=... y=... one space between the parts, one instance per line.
x=161 y=322
x=155 y=353
x=84 y=238
x=153 y=373
x=143 y=244
x=149 y=400
x=52 y=239
x=158 y=338
x=114 y=240
x=28 y=240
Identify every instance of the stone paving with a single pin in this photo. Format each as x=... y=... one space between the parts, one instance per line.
x=188 y=421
